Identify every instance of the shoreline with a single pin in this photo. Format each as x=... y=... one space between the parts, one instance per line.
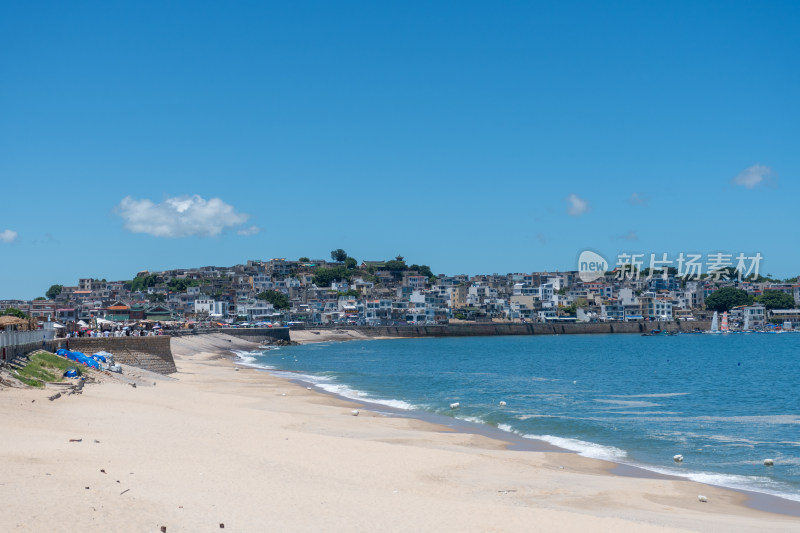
x=221 y=443
x=760 y=501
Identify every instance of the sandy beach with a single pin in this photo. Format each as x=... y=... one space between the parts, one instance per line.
x=306 y=336
x=216 y=444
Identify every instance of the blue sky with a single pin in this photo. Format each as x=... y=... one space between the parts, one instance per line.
x=473 y=137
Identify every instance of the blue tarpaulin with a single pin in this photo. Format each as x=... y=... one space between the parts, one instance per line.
x=82 y=358
x=88 y=361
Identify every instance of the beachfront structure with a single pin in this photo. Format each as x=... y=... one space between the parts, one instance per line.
x=786 y=318
x=44 y=309
x=255 y=311
x=755 y=316
x=613 y=311
x=118 y=312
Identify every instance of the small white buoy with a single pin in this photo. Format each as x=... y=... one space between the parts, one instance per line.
x=574 y=382
x=354 y=412
x=283 y=394
x=769 y=462
x=455 y=405
x=502 y=403
x=702 y=498
x=678 y=458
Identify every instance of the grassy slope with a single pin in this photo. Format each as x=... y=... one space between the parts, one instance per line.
x=45 y=366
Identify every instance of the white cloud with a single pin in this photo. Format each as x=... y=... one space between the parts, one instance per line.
x=182 y=216
x=252 y=230
x=8 y=236
x=638 y=199
x=577 y=205
x=752 y=176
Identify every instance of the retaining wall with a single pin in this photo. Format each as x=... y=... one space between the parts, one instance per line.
x=8 y=353
x=149 y=353
x=257 y=334
x=249 y=334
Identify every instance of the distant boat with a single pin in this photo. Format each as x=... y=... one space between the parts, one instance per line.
x=724 y=328
x=746 y=326
x=715 y=323
x=659 y=333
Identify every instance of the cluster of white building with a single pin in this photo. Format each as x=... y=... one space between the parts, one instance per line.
x=375 y=295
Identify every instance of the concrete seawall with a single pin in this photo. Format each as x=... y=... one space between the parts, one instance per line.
x=10 y=352
x=258 y=334
x=489 y=329
x=149 y=353
x=155 y=353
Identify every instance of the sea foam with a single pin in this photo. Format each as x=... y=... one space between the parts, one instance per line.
x=249 y=359
x=328 y=384
x=581 y=447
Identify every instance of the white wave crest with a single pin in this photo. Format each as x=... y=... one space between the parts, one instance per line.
x=760 y=484
x=473 y=419
x=586 y=449
x=353 y=394
x=249 y=359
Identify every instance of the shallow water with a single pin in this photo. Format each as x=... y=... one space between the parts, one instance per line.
x=725 y=402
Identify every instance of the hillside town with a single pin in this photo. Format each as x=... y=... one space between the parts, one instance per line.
x=344 y=291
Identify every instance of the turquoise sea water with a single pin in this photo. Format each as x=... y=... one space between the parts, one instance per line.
x=725 y=402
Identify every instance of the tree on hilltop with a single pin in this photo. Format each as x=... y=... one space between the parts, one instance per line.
x=424 y=270
x=776 y=300
x=323 y=276
x=727 y=298
x=396 y=265
x=338 y=255
x=181 y=284
x=53 y=291
x=278 y=299
x=141 y=283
